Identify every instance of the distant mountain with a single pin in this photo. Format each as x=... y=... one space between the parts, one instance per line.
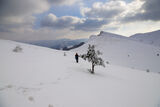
x=73 y=47
x=59 y=44
x=152 y=38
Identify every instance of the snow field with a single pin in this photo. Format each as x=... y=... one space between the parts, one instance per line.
x=42 y=77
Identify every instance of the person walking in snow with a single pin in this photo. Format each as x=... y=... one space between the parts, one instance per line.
x=76 y=57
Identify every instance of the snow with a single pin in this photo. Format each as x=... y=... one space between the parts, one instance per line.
x=152 y=38
x=43 y=77
x=123 y=51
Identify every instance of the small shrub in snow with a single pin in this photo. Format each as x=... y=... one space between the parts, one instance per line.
x=152 y=42
x=147 y=70
x=64 y=54
x=30 y=98
x=141 y=40
x=92 y=56
x=107 y=62
x=17 y=49
x=9 y=86
x=157 y=54
x=128 y=55
x=50 y=105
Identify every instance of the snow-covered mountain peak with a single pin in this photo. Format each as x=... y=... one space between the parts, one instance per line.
x=92 y=36
x=108 y=34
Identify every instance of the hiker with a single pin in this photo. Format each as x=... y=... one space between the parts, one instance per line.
x=76 y=57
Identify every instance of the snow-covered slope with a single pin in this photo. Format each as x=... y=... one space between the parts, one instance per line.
x=122 y=51
x=152 y=38
x=41 y=77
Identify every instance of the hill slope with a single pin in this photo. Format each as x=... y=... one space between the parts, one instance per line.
x=152 y=38
x=122 y=51
x=41 y=77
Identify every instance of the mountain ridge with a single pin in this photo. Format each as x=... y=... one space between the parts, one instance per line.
x=152 y=38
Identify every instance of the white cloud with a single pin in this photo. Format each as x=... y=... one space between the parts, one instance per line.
x=63 y=22
x=104 y=10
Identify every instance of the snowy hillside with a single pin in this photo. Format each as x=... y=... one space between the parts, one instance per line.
x=123 y=51
x=152 y=38
x=40 y=77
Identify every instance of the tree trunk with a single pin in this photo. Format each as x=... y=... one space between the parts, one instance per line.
x=92 y=71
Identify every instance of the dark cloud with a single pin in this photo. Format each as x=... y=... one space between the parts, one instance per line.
x=19 y=13
x=62 y=2
x=21 y=7
x=73 y=23
x=151 y=11
x=14 y=13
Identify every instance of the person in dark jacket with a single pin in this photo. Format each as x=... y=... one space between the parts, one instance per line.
x=76 y=57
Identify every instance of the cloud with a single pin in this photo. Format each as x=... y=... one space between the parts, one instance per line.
x=11 y=24
x=104 y=10
x=72 y=23
x=121 y=11
x=149 y=10
x=63 y=2
x=20 y=13
x=63 y=22
x=17 y=17
x=28 y=7
x=21 y=7
x=44 y=34
x=90 y=24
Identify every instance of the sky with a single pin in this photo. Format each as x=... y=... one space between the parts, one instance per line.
x=28 y=20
